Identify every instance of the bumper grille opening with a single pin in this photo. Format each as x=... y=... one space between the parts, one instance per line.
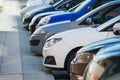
x=34 y=42
x=50 y=60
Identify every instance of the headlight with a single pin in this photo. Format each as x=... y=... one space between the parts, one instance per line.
x=52 y=42
x=39 y=31
x=44 y=21
x=84 y=58
x=27 y=15
x=33 y=21
x=37 y=26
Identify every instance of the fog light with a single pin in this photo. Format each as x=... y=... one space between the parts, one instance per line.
x=34 y=42
x=50 y=60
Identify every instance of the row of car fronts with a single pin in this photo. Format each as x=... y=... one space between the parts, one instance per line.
x=80 y=36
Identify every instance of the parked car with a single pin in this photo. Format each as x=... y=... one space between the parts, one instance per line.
x=105 y=65
x=86 y=54
x=67 y=43
x=30 y=8
x=39 y=37
x=37 y=18
x=81 y=10
x=34 y=2
x=58 y=6
x=38 y=5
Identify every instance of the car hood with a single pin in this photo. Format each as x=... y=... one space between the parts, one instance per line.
x=108 y=52
x=51 y=12
x=41 y=9
x=99 y=44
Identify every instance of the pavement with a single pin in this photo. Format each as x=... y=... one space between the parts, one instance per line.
x=16 y=60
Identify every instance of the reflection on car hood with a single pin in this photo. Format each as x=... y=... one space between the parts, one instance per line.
x=100 y=44
x=107 y=52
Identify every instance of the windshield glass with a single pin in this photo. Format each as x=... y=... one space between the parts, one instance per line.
x=82 y=5
x=73 y=8
x=103 y=69
x=94 y=71
x=58 y=2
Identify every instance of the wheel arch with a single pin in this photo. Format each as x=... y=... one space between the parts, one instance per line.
x=70 y=54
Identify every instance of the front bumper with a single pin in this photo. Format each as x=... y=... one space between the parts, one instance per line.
x=36 y=43
x=32 y=25
x=58 y=52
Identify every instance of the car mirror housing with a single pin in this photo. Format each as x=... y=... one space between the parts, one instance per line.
x=88 y=21
x=116 y=29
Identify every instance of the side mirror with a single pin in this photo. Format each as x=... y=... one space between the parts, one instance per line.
x=88 y=21
x=116 y=29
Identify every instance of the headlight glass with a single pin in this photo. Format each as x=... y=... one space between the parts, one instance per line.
x=52 y=42
x=39 y=31
x=33 y=21
x=27 y=15
x=84 y=58
x=44 y=21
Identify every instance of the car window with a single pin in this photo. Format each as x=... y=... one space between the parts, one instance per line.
x=67 y=6
x=110 y=27
x=98 y=3
x=113 y=69
x=104 y=15
x=56 y=1
x=114 y=77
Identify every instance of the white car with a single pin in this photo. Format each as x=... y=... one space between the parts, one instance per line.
x=30 y=8
x=61 y=48
x=34 y=2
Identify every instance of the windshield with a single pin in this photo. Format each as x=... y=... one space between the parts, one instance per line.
x=73 y=8
x=95 y=71
x=103 y=69
x=58 y=2
x=82 y=5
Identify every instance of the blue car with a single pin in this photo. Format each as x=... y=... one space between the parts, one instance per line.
x=105 y=65
x=85 y=6
x=61 y=5
x=85 y=55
